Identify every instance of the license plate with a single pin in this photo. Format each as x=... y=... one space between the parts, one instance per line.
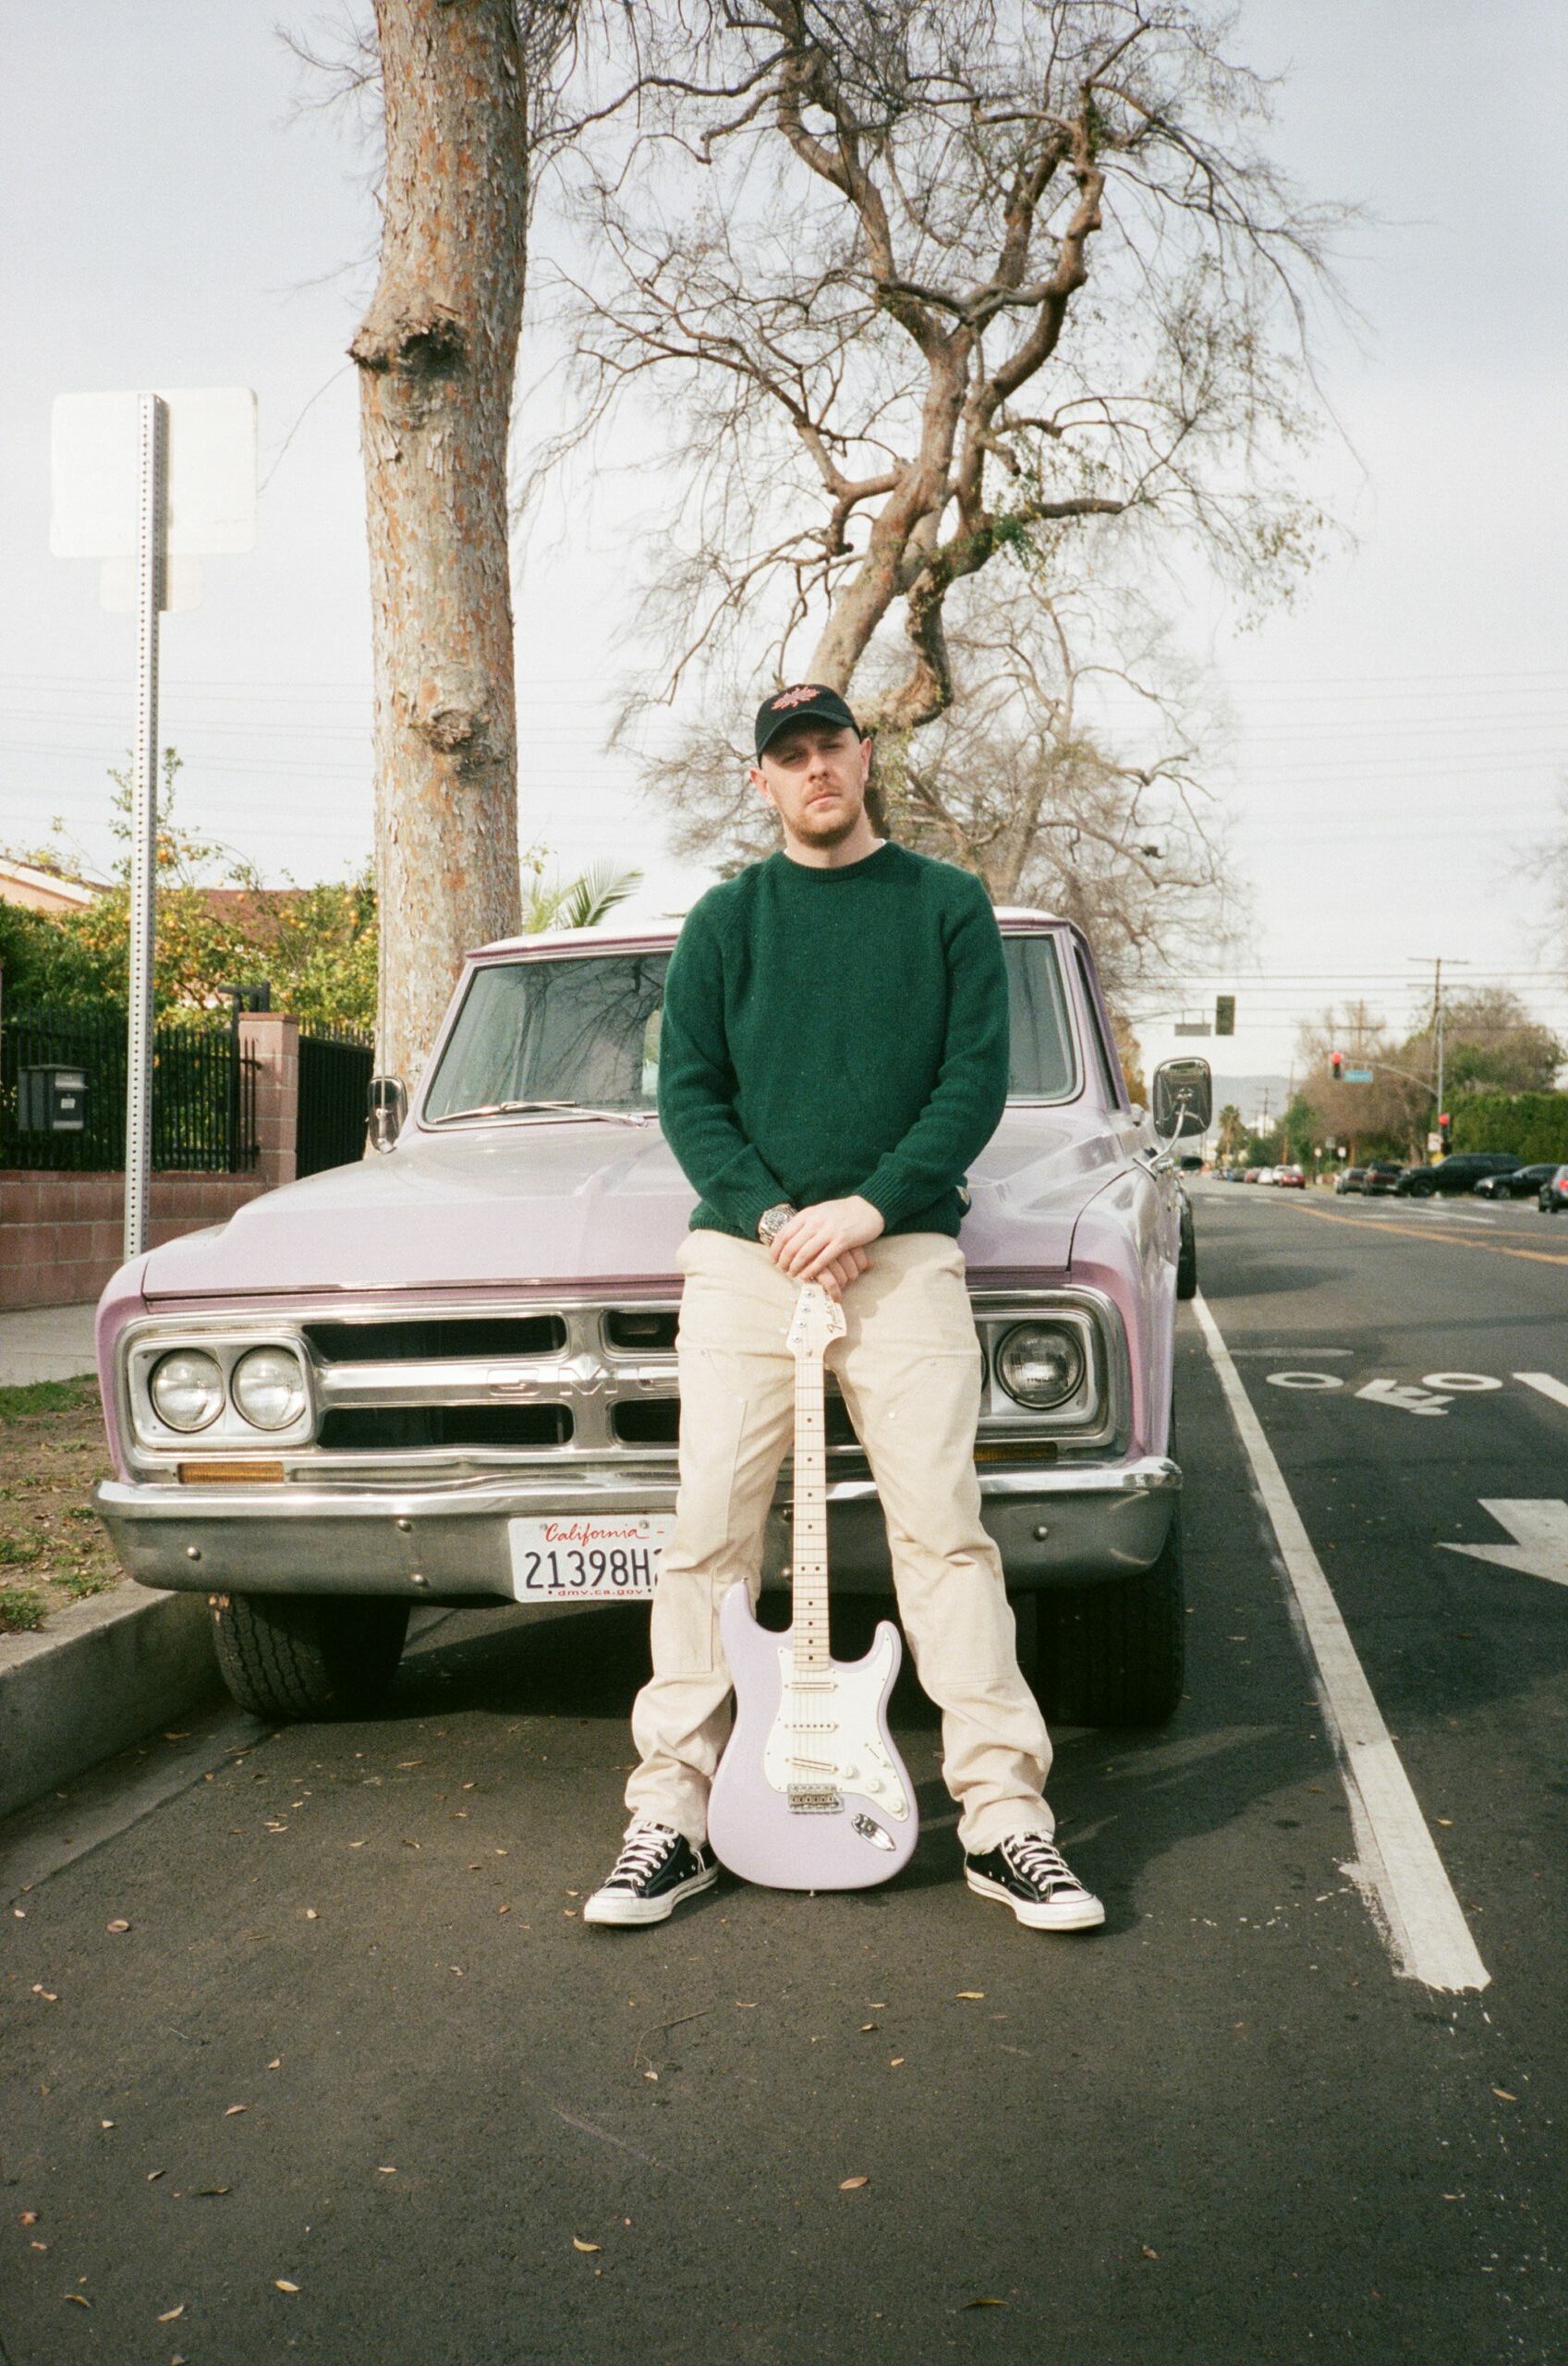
x=587 y=1557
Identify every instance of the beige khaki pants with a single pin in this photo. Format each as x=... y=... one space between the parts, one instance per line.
x=909 y=1366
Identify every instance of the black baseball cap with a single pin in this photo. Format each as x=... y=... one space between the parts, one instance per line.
x=804 y=702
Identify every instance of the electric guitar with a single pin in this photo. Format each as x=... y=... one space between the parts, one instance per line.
x=810 y=1792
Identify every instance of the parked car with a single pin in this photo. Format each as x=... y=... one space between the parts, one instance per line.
x=1253 y=1174
x=1381 y=1177
x=1290 y=1178
x=1349 y=1178
x=1553 y=1194
x=1521 y=1183
x=1461 y=1172
x=448 y=1375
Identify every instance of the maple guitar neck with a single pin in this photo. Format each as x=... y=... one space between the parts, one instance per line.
x=808 y=1562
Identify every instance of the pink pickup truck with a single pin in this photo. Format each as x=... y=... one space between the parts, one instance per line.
x=447 y=1373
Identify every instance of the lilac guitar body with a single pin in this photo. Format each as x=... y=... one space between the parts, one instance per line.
x=810 y=1792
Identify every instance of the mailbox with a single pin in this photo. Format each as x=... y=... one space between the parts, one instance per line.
x=52 y=1101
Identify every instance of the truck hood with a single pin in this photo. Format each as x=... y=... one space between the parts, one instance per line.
x=575 y=1202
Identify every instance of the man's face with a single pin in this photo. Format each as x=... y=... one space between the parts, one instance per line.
x=814 y=776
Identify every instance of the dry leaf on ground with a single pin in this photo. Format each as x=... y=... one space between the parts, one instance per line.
x=850 y=2185
x=985 y=2300
x=283 y=2284
x=170 y=2314
x=578 y=2245
x=119 y=1923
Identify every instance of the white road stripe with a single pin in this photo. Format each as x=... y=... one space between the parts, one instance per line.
x=1398 y=1870
x=1546 y=1383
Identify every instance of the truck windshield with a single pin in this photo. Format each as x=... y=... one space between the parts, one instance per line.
x=584 y=1029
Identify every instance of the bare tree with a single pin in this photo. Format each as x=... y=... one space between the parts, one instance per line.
x=1392 y=1110
x=923 y=282
x=465 y=85
x=1068 y=772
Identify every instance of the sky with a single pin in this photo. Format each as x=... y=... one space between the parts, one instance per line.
x=177 y=218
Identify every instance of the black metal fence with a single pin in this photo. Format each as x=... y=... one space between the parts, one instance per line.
x=203 y=1094
x=334 y=1074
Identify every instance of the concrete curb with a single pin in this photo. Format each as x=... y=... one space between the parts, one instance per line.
x=97 y=1678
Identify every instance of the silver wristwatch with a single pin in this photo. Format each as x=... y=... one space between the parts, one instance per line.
x=772 y=1222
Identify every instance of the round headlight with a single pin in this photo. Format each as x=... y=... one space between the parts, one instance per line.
x=186 y=1389
x=269 y=1387
x=1041 y=1364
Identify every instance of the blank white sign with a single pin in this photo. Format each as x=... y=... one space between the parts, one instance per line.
x=210 y=477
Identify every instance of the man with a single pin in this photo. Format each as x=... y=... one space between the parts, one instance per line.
x=834 y=1054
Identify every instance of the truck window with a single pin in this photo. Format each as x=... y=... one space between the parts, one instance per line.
x=1042 y=1067
x=566 y=1030
x=1105 y=1058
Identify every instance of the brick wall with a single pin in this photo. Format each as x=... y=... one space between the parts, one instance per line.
x=62 y=1236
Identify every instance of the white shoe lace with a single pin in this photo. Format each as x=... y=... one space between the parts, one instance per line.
x=1040 y=1861
x=644 y=1845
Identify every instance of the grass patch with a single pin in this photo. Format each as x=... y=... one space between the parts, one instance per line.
x=82 y=1582
x=53 y=1550
x=48 y=1397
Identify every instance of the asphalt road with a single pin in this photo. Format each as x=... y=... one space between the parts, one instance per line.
x=1226 y=2129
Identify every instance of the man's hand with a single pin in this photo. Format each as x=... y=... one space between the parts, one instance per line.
x=827 y=1243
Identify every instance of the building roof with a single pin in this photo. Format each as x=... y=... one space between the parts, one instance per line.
x=35 y=888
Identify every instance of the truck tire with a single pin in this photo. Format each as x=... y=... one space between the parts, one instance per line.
x=308 y=1655
x=1111 y=1654
x=1186 y=1256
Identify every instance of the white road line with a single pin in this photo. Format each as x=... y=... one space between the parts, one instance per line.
x=1546 y=1383
x=1398 y=1870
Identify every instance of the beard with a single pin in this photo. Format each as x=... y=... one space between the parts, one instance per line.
x=814 y=832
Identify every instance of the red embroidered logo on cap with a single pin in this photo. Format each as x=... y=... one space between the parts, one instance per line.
x=794 y=698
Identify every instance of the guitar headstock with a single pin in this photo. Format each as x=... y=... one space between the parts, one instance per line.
x=817 y=1321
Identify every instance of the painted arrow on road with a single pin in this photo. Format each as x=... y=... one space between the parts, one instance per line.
x=1540 y=1528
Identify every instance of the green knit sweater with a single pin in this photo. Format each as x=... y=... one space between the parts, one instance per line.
x=827 y=1033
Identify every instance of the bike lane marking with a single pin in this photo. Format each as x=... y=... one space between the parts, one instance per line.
x=1546 y=1385
x=1398 y=1868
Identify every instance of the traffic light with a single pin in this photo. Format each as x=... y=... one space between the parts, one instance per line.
x=1224 y=1014
x=1445 y=1129
x=1336 y=1065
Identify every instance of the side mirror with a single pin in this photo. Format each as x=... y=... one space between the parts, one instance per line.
x=387 y=1106
x=1183 y=1092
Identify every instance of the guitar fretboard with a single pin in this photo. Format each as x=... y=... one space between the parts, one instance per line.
x=809 y=1560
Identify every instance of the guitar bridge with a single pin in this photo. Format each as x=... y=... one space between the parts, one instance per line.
x=822 y=1799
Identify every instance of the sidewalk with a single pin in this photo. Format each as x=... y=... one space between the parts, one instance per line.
x=45 y=1343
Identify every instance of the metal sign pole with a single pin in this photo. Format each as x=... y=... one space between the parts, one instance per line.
x=152 y=419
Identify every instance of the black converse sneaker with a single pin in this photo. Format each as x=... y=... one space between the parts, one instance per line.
x=1030 y=1873
x=656 y=1869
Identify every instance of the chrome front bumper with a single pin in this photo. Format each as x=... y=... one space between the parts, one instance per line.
x=1057 y=1526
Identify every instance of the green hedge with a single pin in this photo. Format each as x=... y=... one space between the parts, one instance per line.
x=1532 y=1125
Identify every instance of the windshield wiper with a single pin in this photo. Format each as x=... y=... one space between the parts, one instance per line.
x=525 y=1109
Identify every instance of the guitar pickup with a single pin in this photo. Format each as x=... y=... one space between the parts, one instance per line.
x=820 y=1802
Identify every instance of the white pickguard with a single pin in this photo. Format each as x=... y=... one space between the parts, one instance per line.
x=828 y=1732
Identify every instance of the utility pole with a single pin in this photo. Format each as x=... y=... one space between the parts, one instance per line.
x=1439 y=1014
